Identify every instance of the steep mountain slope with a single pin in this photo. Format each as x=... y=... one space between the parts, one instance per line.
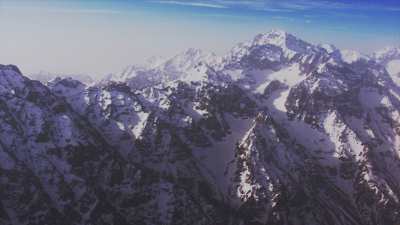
x=390 y=58
x=278 y=131
x=339 y=117
x=56 y=168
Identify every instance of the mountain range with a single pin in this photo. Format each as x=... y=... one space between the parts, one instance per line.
x=276 y=132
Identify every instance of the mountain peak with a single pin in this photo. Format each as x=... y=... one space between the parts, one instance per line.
x=10 y=67
x=45 y=77
x=274 y=46
x=277 y=33
x=286 y=41
x=330 y=48
x=189 y=59
x=275 y=37
x=193 y=52
x=388 y=53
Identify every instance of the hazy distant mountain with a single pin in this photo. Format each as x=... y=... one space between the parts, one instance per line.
x=45 y=77
x=278 y=132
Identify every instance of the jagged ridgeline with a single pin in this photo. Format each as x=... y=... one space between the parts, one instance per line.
x=277 y=132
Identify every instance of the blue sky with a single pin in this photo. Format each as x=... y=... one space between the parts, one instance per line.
x=99 y=37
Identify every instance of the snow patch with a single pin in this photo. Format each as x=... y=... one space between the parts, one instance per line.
x=221 y=153
x=290 y=76
x=393 y=68
x=138 y=128
x=351 y=56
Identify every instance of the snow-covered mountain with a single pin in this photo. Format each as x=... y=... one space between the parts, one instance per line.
x=390 y=58
x=184 y=66
x=278 y=131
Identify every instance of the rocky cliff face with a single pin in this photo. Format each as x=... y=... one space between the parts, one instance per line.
x=278 y=131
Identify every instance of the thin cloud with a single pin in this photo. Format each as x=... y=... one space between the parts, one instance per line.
x=193 y=4
x=282 y=5
x=276 y=10
x=85 y=11
x=61 y=10
x=282 y=18
x=309 y=5
x=395 y=9
x=291 y=6
x=259 y=5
